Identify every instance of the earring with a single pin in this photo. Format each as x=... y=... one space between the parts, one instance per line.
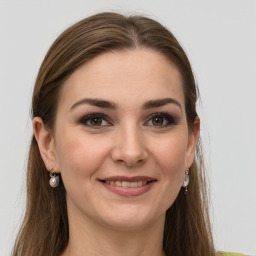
x=54 y=180
x=186 y=181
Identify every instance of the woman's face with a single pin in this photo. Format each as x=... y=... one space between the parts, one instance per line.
x=121 y=140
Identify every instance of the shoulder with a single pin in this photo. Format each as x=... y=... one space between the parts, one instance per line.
x=229 y=254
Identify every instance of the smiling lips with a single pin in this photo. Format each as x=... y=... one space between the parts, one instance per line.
x=128 y=186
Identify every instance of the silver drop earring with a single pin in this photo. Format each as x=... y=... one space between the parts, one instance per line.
x=186 y=181
x=54 y=180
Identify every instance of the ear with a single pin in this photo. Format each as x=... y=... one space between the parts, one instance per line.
x=192 y=142
x=45 y=143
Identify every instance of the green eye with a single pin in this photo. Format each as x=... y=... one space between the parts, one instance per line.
x=157 y=121
x=161 y=120
x=96 y=121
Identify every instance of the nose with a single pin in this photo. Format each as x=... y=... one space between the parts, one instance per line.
x=129 y=146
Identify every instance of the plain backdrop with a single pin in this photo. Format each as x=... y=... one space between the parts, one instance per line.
x=219 y=38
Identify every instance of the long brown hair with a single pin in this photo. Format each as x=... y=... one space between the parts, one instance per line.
x=45 y=228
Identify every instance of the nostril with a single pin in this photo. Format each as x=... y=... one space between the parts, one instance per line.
x=129 y=151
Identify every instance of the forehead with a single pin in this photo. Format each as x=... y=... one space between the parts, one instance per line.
x=137 y=74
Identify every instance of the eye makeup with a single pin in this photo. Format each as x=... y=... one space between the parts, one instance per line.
x=161 y=120
x=95 y=120
x=156 y=120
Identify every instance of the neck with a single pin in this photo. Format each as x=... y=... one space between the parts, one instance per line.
x=89 y=238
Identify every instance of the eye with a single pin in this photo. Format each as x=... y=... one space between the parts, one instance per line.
x=161 y=120
x=96 y=120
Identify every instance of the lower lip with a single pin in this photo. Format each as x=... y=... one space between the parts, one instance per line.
x=126 y=191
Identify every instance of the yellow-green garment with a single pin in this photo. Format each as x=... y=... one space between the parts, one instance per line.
x=230 y=254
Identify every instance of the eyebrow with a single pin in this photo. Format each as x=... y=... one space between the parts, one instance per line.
x=161 y=102
x=111 y=105
x=95 y=102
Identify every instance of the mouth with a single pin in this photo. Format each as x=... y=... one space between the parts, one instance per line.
x=128 y=186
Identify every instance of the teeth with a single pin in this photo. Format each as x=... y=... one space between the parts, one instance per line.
x=127 y=184
x=134 y=184
x=118 y=183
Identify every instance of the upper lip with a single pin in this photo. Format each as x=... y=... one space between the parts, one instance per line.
x=130 y=179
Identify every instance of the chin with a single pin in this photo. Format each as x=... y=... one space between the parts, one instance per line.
x=130 y=219
x=127 y=224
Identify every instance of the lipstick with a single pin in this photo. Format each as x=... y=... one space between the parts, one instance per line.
x=128 y=186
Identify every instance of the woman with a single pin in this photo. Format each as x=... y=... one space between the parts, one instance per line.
x=116 y=129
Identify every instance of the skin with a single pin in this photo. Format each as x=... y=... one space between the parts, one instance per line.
x=130 y=142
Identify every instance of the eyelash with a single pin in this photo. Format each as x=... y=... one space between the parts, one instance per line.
x=89 y=118
x=167 y=120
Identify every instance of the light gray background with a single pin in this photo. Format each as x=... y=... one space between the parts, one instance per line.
x=220 y=39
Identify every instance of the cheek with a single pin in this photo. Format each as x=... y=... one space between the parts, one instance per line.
x=172 y=152
x=171 y=158
x=79 y=155
x=173 y=171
